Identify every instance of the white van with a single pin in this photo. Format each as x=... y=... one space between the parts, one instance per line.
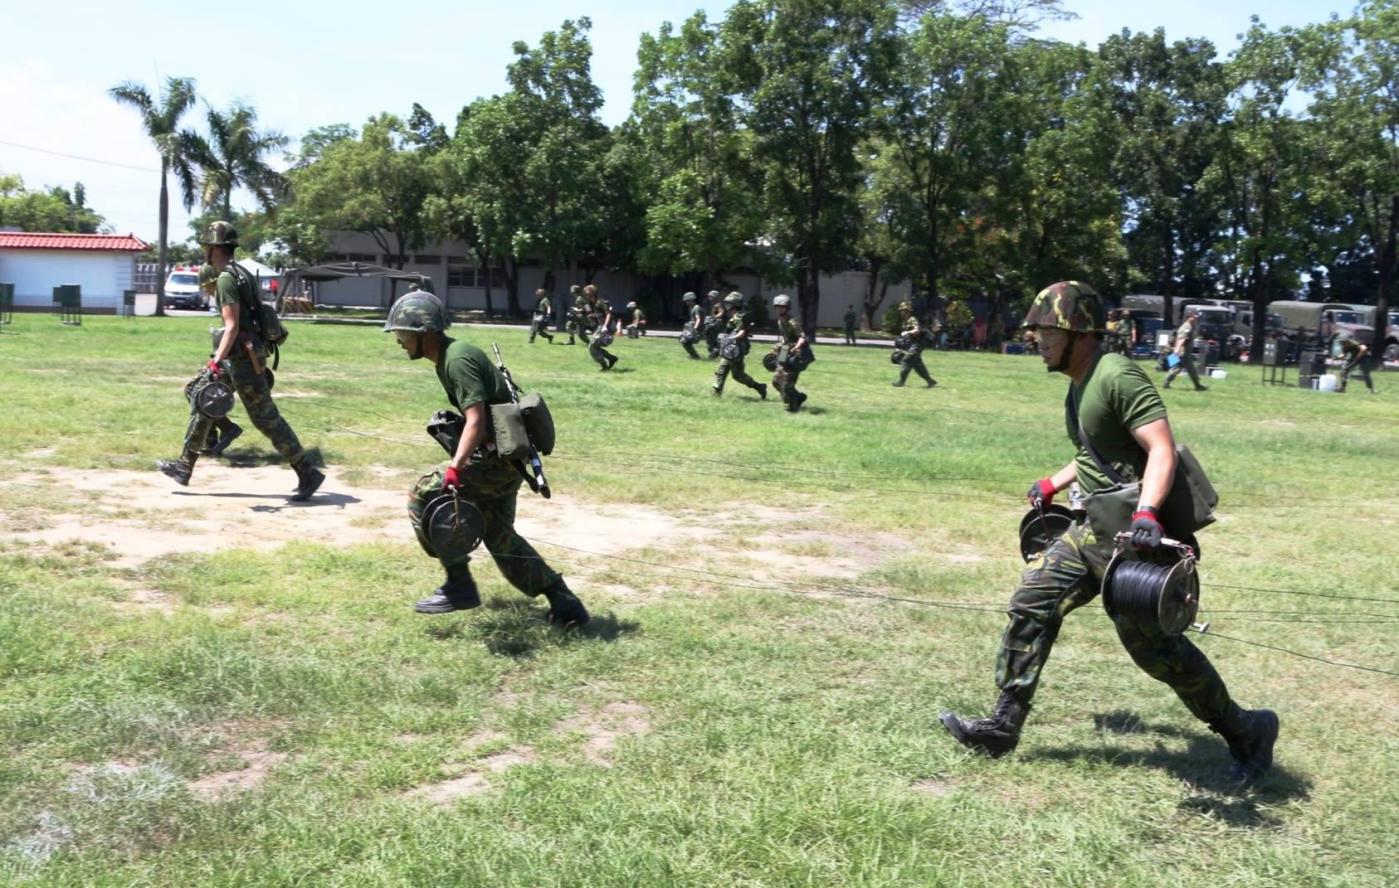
x=182 y=289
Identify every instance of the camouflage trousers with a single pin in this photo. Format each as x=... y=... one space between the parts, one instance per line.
x=540 y=328
x=785 y=381
x=1187 y=364
x=603 y=357
x=492 y=485
x=913 y=363
x=252 y=390
x=689 y=349
x=1360 y=365
x=736 y=369
x=711 y=339
x=1068 y=575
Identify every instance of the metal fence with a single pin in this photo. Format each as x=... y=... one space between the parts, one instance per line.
x=144 y=279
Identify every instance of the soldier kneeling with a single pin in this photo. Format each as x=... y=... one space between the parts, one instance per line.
x=484 y=486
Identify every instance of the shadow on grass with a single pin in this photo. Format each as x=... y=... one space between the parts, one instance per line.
x=513 y=627
x=338 y=500
x=251 y=458
x=1203 y=765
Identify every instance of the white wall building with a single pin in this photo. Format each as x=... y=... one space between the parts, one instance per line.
x=36 y=262
x=456 y=278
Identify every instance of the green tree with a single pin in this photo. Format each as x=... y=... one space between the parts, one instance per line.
x=160 y=117
x=1352 y=73
x=809 y=73
x=53 y=210
x=234 y=155
x=375 y=184
x=703 y=190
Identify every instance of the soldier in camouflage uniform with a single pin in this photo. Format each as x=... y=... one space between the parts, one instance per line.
x=472 y=383
x=637 y=327
x=1122 y=414
x=577 y=323
x=543 y=311
x=224 y=430
x=600 y=317
x=246 y=354
x=790 y=341
x=1185 y=350
x=1117 y=328
x=714 y=323
x=917 y=340
x=738 y=327
x=1357 y=360
x=851 y=319
x=694 y=325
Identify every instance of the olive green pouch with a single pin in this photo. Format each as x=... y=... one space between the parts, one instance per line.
x=539 y=424
x=508 y=427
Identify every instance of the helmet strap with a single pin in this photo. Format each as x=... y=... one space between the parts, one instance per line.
x=1062 y=365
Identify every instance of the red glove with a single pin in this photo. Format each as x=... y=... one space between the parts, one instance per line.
x=1042 y=490
x=451 y=478
x=1146 y=529
x=214 y=367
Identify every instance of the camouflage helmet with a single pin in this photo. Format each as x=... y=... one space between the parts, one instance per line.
x=631 y=305
x=590 y=290
x=712 y=294
x=541 y=292
x=418 y=312
x=782 y=301
x=220 y=234
x=1067 y=305
x=688 y=297
x=734 y=298
x=208 y=274
x=905 y=306
x=575 y=289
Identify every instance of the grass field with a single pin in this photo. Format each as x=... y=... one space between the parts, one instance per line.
x=744 y=709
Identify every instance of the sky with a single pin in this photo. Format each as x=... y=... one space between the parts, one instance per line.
x=308 y=63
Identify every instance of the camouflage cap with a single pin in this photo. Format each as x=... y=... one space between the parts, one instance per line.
x=418 y=312
x=208 y=274
x=1067 y=305
x=734 y=298
x=782 y=300
x=220 y=234
x=688 y=297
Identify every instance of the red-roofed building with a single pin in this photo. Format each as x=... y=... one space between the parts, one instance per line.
x=37 y=261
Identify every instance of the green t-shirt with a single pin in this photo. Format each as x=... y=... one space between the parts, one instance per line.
x=468 y=376
x=543 y=307
x=226 y=293
x=1116 y=398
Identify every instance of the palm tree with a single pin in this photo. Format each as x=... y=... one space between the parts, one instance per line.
x=177 y=147
x=234 y=157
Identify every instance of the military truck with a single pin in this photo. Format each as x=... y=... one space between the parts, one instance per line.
x=1322 y=321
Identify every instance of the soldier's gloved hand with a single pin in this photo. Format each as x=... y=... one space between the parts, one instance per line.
x=1041 y=493
x=1146 y=529
x=451 y=478
x=214 y=367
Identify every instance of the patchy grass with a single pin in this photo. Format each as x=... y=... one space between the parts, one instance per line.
x=741 y=711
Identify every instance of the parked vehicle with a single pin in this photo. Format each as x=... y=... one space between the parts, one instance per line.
x=182 y=289
x=1323 y=321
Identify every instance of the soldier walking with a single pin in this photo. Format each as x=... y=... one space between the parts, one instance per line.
x=577 y=320
x=1122 y=417
x=475 y=474
x=224 y=431
x=543 y=311
x=735 y=347
x=1184 y=350
x=791 y=354
x=599 y=314
x=912 y=340
x=243 y=350
x=694 y=325
x=851 y=319
x=714 y=323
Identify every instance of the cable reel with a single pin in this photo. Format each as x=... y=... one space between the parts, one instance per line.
x=454 y=525
x=1042 y=526
x=1160 y=589
x=209 y=395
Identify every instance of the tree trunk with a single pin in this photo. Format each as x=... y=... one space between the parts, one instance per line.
x=164 y=234
x=512 y=286
x=1389 y=259
x=809 y=297
x=228 y=203
x=1168 y=279
x=872 y=287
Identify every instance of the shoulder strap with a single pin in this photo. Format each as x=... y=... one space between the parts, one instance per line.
x=240 y=278
x=1103 y=465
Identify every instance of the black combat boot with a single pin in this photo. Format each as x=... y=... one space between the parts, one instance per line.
x=1250 y=734
x=308 y=480
x=995 y=735
x=458 y=593
x=564 y=607
x=227 y=438
x=763 y=390
x=178 y=469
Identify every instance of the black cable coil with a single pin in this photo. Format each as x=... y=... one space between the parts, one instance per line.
x=1161 y=595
